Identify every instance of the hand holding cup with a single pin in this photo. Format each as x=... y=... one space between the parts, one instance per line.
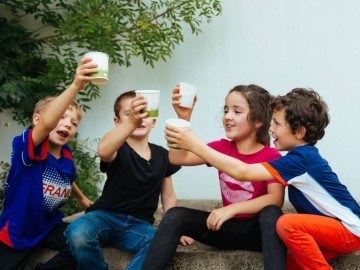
x=102 y=61
x=178 y=123
x=153 y=100
x=188 y=94
x=182 y=111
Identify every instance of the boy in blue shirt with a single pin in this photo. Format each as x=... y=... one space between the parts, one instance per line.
x=40 y=181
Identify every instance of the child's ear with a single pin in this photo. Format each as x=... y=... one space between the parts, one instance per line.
x=36 y=118
x=258 y=124
x=300 y=133
x=153 y=122
x=116 y=121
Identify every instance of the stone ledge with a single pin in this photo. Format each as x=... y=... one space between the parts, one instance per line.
x=201 y=257
x=198 y=256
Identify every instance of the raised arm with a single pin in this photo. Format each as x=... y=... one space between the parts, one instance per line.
x=182 y=112
x=112 y=141
x=181 y=157
x=55 y=109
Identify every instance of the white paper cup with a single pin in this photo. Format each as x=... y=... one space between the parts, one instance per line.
x=153 y=99
x=180 y=123
x=102 y=59
x=188 y=92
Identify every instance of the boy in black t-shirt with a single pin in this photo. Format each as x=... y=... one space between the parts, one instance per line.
x=137 y=173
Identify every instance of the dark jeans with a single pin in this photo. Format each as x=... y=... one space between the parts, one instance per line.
x=12 y=259
x=254 y=234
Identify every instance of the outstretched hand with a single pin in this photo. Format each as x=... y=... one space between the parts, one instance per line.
x=137 y=109
x=181 y=138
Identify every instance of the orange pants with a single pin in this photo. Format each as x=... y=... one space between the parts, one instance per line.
x=312 y=240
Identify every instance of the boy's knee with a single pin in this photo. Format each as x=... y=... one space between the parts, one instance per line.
x=283 y=225
x=173 y=214
x=75 y=235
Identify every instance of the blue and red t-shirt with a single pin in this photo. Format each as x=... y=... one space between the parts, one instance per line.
x=38 y=184
x=314 y=188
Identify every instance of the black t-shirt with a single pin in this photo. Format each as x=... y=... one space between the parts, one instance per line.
x=134 y=184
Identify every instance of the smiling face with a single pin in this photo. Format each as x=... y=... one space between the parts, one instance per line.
x=236 y=117
x=143 y=129
x=284 y=138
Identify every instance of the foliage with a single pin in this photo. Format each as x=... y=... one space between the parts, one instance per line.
x=39 y=60
x=41 y=42
x=4 y=170
x=88 y=174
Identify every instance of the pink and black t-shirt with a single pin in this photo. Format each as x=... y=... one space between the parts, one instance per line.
x=233 y=191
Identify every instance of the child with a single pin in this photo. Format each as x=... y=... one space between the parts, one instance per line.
x=250 y=210
x=40 y=181
x=328 y=223
x=137 y=173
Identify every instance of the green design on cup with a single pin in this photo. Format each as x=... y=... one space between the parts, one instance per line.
x=174 y=148
x=153 y=113
x=100 y=73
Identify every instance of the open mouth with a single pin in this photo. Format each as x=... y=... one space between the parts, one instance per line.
x=63 y=134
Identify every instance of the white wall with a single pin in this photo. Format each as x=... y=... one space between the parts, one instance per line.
x=277 y=44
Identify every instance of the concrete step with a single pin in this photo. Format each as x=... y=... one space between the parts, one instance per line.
x=199 y=256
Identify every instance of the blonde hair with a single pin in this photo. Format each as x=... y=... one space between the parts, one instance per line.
x=41 y=105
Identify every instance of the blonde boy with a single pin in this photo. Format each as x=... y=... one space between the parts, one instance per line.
x=40 y=181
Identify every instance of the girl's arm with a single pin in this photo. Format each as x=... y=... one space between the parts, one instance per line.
x=181 y=157
x=187 y=140
x=275 y=196
x=184 y=158
x=80 y=197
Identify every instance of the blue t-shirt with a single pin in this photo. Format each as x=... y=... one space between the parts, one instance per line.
x=314 y=188
x=38 y=184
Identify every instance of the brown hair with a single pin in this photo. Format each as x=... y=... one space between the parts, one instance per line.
x=41 y=104
x=258 y=99
x=119 y=99
x=304 y=107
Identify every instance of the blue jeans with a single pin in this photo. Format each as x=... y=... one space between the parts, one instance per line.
x=87 y=234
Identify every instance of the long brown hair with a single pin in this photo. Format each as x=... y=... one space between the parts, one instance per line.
x=258 y=99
